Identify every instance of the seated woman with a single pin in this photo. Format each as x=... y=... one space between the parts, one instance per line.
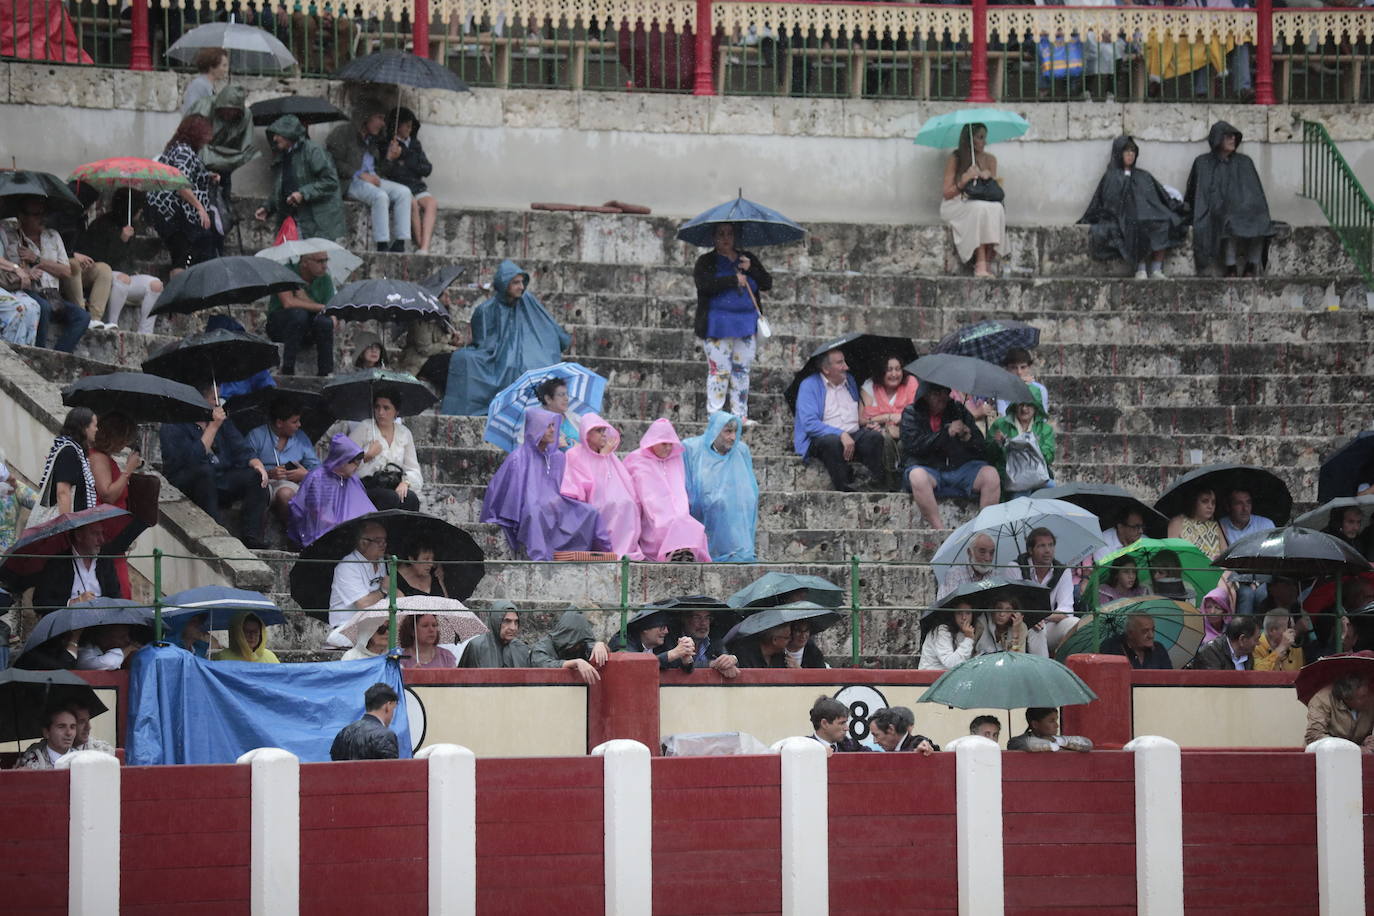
x=800 y=651
x=1024 y=424
x=660 y=478
x=1003 y=631
x=1122 y=582
x=418 y=574
x=722 y=491
x=525 y=498
x=949 y=639
x=553 y=396
x=388 y=446
x=979 y=226
x=418 y=637
x=371 y=353
x=884 y=397
x=1200 y=526
x=1132 y=216
x=247 y=641
x=370 y=644
x=330 y=494
x=595 y=475
x=1217 y=609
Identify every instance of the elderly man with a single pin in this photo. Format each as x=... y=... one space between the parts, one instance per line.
x=989 y=727
x=827 y=425
x=500 y=646
x=1043 y=570
x=1278 y=648
x=59 y=732
x=296 y=316
x=358 y=581
x=358 y=149
x=696 y=626
x=943 y=454
x=1138 y=644
x=982 y=557
x=1128 y=528
x=42 y=258
x=371 y=737
x=1233 y=650
x=1345 y=709
x=891 y=730
x=1042 y=734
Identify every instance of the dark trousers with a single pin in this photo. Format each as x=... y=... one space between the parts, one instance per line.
x=212 y=492
x=868 y=449
x=385 y=498
x=72 y=317
x=293 y=327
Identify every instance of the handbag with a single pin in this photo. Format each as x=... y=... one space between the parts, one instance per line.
x=388 y=478
x=143 y=492
x=988 y=189
x=1026 y=467
x=288 y=231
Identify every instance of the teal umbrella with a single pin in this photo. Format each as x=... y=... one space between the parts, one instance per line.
x=772 y=588
x=942 y=131
x=1008 y=680
x=1195 y=570
x=1178 y=627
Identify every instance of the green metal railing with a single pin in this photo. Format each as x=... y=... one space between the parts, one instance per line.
x=1328 y=181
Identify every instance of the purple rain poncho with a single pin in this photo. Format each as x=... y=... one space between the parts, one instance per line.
x=325 y=499
x=524 y=498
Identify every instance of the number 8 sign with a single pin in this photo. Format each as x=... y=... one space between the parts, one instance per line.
x=862 y=701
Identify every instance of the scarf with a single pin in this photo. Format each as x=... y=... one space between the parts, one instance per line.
x=50 y=499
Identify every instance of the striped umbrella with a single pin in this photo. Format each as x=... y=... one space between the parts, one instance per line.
x=1178 y=627
x=130 y=172
x=506 y=413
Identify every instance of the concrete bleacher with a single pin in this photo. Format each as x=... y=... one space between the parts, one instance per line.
x=1146 y=378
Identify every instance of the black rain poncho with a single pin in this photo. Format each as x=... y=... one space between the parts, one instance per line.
x=570 y=638
x=486 y=649
x=1131 y=214
x=1226 y=198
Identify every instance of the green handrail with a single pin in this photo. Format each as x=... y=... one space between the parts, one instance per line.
x=1328 y=181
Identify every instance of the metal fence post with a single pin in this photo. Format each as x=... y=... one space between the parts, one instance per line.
x=625 y=600
x=157 y=594
x=855 y=627
x=391 y=602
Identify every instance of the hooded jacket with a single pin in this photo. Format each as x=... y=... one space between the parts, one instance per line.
x=239 y=650
x=413 y=167
x=307 y=168
x=231 y=144
x=1226 y=198
x=722 y=491
x=1131 y=214
x=600 y=480
x=1006 y=424
x=326 y=499
x=486 y=649
x=570 y=638
x=665 y=516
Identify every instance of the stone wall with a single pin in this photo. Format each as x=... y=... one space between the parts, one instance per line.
x=820 y=159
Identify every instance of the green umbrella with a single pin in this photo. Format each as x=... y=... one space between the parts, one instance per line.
x=1195 y=568
x=1008 y=680
x=1178 y=627
x=770 y=590
x=942 y=131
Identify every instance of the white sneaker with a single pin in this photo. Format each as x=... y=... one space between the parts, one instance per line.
x=1141 y=275
x=1158 y=275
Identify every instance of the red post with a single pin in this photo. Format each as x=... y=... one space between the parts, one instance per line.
x=419 y=28
x=704 y=31
x=978 y=80
x=1264 y=52
x=140 y=49
x=624 y=703
x=1108 y=719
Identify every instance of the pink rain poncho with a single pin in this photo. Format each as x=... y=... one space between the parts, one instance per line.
x=665 y=518
x=600 y=480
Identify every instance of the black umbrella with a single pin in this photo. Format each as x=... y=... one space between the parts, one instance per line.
x=385 y=300
x=251 y=410
x=1269 y=494
x=454 y=550
x=442 y=279
x=1300 y=553
x=862 y=352
x=349 y=397
x=24 y=183
x=213 y=356
x=1031 y=598
x=971 y=376
x=141 y=397
x=1349 y=466
x=224 y=281
x=990 y=340
x=24 y=695
x=308 y=109
x=401 y=68
x=97 y=612
x=821 y=618
x=1108 y=502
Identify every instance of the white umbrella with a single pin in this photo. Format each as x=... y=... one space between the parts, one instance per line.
x=456 y=622
x=1076 y=531
x=342 y=262
x=250 y=48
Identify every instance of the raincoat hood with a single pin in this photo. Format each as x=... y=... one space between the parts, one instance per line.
x=601 y=481
x=403 y=114
x=507 y=271
x=1119 y=146
x=288 y=126
x=722 y=491
x=341 y=451
x=591 y=421
x=231 y=96
x=239 y=649
x=716 y=425
x=537 y=421
x=1218 y=133
x=1222 y=597
x=571 y=635
x=660 y=431
x=1036 y=399
x=492 y=617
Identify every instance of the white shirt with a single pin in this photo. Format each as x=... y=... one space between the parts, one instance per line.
x=1113 y=544
x=90 y=658
x=942 y=650
x=1233 y=534
x=1237 y=660
x=1061 y=596
x=49 y=246
x=841 y=410
x=400 y=452
x=354 y=577
x=84 y=578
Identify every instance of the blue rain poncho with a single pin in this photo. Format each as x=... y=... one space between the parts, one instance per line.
x=508 y=339
x=723 y=491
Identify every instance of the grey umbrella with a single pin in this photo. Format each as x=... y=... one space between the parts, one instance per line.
x=1328 y=515
x=821 y=618
x=250 y=48
x=98 y=612
x=971 y=376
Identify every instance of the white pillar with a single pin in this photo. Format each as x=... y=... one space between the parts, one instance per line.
x=1340 y=827
x=93 y=841
x=628 y=823
x=805 y=827
x=275 y=887
x=452 y=829
x=978 y=801
x=1158 y=826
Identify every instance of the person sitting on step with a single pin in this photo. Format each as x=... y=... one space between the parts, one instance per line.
x=827 y=425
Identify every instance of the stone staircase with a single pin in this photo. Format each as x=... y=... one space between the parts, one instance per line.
x=1147 y=379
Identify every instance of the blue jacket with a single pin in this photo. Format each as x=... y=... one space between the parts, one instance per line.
x=182 y=449
x=810 y=410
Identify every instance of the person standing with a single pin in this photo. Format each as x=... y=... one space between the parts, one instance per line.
x=371 y=737
x=305 y=187
x=231 y=133
x=728 y=283
x=212 y=69
x=182 y=218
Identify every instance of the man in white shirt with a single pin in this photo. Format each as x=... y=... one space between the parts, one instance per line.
x=359 y=581
x=1043 y=570
x=1129 y=527
x=828 y=425
x=59 y=731
x=982 y=554
x=1238 y=522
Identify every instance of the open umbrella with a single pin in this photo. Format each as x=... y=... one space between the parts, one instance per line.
x=1327 y=516
x=130 y=172
x=1322 y=597
x=16 y=185
x=1178 y=627
x=862 y=353
x=401 y=68
x=775 y=588
x=723 y=617
x=251 y=410
x=98 y=612
x=1108 y=502
x=1299 y=553
x=212 y=356
x=456 y=622
x=1344 y=469
x=349 y=397
x=1032 y=598
x=1008 y=680
x=308 y=110
x=821 y=618
x=454 y=550
x=221 y=603
x=1325 y=671
x=442 y=279
x=506 y=412
x=1076 y=533
x=39 y=542
x=342 y=262
x=971 y=376
x=385 y=300
x=224 y=281
x=250 y=48
x=942 y=131
x=25 y=695
x=1269 y=494
x=758 y=225
x=141 y=397
x=990 y=340
x=1194 y=568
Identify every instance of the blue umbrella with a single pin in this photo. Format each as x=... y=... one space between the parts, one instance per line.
x=221 y=603
x=759 y=225
x=94 y=613
x=506 y=413
x=942 y=131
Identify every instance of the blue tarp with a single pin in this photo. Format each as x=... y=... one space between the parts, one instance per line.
x=184 y=709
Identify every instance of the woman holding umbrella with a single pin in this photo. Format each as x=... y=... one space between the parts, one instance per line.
x=728 y=282
x=979 y=225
